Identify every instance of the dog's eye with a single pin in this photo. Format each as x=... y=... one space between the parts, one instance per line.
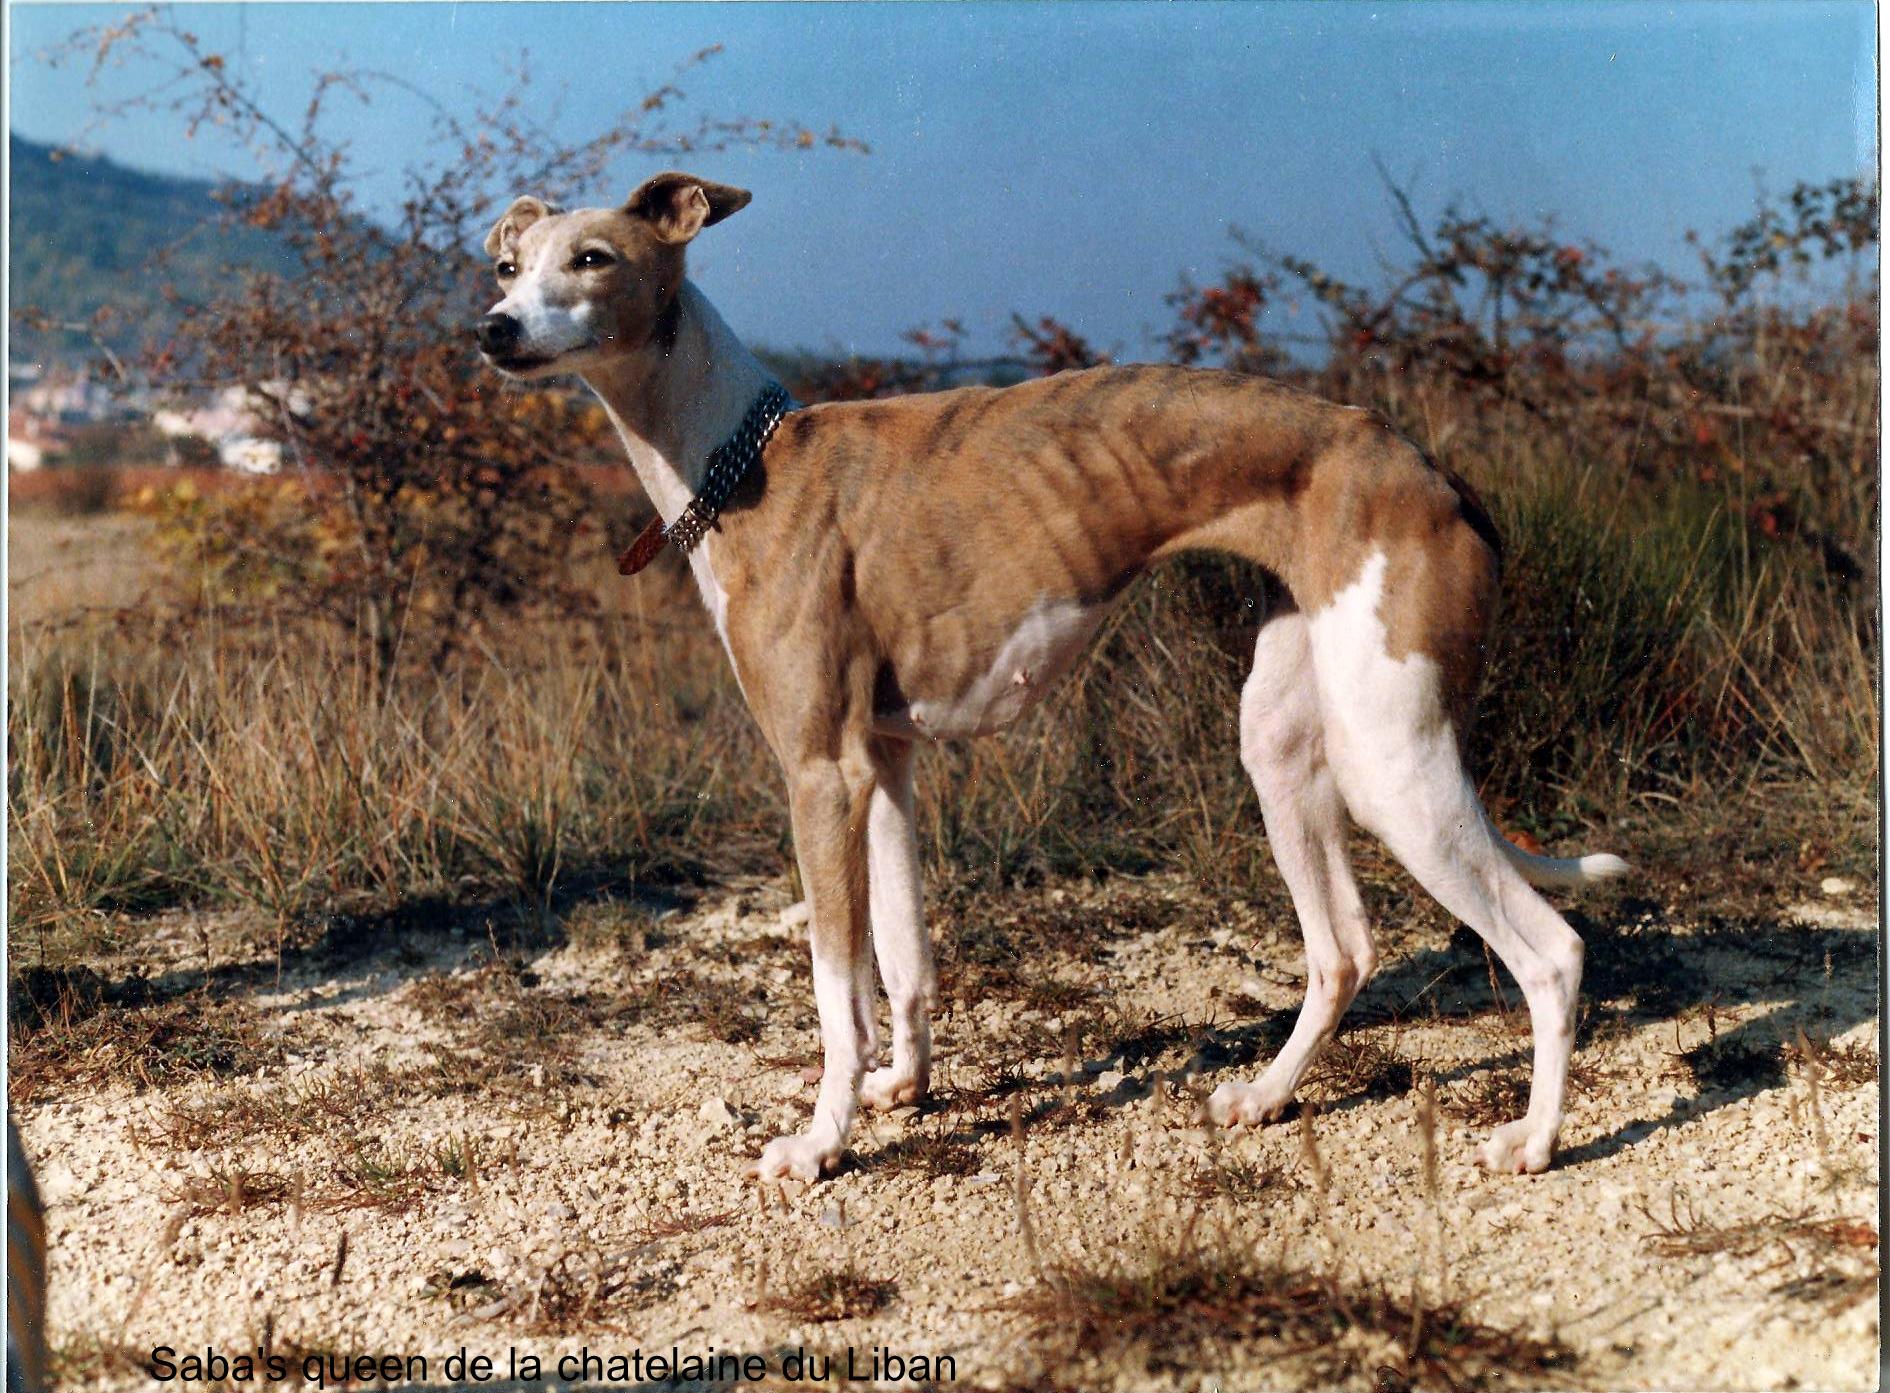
x=590 y=259
x=505 y=270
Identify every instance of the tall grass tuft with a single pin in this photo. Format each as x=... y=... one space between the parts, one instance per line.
x=268 y=769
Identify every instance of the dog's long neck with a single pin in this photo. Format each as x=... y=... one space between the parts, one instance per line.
x=673 y=408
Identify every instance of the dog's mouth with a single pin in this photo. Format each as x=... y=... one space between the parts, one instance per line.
x=520 y=362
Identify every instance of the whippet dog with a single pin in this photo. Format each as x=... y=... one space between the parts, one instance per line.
x=924 y=568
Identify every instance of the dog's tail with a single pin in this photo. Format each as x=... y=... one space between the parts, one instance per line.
x=1557 y=873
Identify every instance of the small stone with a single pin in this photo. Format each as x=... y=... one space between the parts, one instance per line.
x=715 y=1112
x=1835 y=885
x=985 y=1178
x=795 y=915
x=1112 y=1080
x=833 y=1217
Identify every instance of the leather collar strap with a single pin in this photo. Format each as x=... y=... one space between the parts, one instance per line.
x=728 y=465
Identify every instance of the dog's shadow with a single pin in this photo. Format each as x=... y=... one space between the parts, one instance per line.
x=373 y=952
x=1640 y=972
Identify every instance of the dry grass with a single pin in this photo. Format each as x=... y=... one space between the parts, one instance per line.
x=1184 y=1307
x=1489 y=1097
x=1683 y=1233
x=1189 y=1292
x=580 y=1290
x=838 y=1294
x=499 y=1017
x=934 y=1148
x=1735 y=1063
x=724 y=1009
x=286 y=1114
x=335 y=1126
x=232 y=1190
x=243 y=764
x=1240 y=1182
x=71 y=1039
x=1841 y=1254
x=1357 y=1065
x=1849 y=1065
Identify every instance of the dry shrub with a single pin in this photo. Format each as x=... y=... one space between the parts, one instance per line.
x=429 y=499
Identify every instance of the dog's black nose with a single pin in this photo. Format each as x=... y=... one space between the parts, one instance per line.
x=497 y=334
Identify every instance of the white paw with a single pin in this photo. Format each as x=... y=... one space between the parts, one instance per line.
x=1517 y=1148
x=1246 y=1104
x=886 y=1089
x=802 y=1157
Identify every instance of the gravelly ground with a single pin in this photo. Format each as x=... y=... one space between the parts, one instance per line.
x=542 y=1151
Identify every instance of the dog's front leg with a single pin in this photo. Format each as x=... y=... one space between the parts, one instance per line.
x=828 y=799
x=900 y=941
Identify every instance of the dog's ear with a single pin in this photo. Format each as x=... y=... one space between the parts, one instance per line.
x=678 y=206
x=524 y=211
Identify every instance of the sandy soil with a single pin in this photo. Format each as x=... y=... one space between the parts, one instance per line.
x=488 y=1133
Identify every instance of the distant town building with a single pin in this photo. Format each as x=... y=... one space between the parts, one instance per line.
x=45 y=407
x=230 y=425
x=31 y=440
x=68 y=397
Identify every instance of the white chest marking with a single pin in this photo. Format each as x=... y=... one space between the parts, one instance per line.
x=1038 y=652
x=714 y=597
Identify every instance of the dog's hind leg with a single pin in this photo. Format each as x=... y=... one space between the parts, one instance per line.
x=900 y=941
x=1282 y=745
x=1392 y=746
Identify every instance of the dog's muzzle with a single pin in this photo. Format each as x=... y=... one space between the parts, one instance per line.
x=498 y=335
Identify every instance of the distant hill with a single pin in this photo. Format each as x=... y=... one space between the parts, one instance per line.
x=84 y=232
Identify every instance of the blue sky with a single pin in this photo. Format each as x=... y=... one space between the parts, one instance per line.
x=1074 y=159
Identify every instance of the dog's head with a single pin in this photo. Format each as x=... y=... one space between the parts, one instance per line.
x=595 y=283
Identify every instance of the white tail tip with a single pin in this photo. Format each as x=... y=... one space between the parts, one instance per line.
x=1604 y=866
x=1554 y=872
